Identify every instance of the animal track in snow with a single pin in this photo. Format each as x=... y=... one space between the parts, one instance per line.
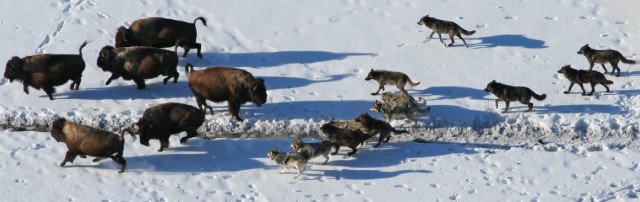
x=480 y=26
x=551 y=18
x=508 y=17
x=604 y=35
x=621 y=22
x=289 y=98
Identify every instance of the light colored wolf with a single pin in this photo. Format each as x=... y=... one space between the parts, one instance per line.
x=322 y=148
x=287 y=159
x=399 y=107
x=384 y=77
x=612 y=57
x=439 y=27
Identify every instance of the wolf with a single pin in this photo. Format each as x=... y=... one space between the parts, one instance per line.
x=509 y=93
x=582 y=76
x=384 y=77
x=442 y=26
x=378 y=127
x=343 y=137
x=399 y=106
x=287 y=159
x=313 y=150
x=612 y=57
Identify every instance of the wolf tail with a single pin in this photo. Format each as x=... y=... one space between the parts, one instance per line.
x=465 y=32
x=625 y=60
x=399 y=131
x=424 y=111
x=539 y=97
x=411 y=82
x=609 y=82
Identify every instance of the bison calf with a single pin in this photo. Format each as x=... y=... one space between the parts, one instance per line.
x=138 y=64
x=84 y=140
x=229 y=84
x=44 y=71
x=160 y=33
x=160 y=121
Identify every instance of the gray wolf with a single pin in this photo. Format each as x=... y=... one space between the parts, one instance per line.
x=44 y=71
x=399 y=106
x=343 y=137
x=384 y=77
x=162 y=120
x=509 y=93
x=376 y=126
x=288 y=159
x=582 y=76
x=219 y=84
x=612 y=57
x=322 y=148
x=447 y=27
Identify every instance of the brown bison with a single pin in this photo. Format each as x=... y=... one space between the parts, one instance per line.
x=84 y=140
x=160 y=121
x=138 y=64
x=44 y=71
x=229 y=84
x=160 y=33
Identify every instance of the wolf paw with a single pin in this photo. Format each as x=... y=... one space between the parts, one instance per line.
x=566 y=92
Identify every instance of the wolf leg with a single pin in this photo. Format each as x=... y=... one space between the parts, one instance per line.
x=463 y=41
x=380 y=87
x=440 y=36
x=569 y=90
x=336 y=147
x=506 y=109
x=582 y=87
x=530 y=105
x=284 y=169
x=615 y=67
x=452 y=41
x=593 y=88
x=497 y=100
x=431 y=35
x=605 y=86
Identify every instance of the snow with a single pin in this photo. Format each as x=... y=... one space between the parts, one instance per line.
x=314 y=58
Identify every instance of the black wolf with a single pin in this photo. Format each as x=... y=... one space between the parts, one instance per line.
x=582 y=76
x=509 y=93
x=612 y=57
x=442 y=26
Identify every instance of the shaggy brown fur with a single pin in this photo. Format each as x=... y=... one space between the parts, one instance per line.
x=138 y=64
x=612 y=57
x=378 y=127
x=84 y=140
x=343 y=137
x=44 y=71
x=160 y=121
x=219 y=84
x=582 y=76
x=384 y=77
x=160 y=33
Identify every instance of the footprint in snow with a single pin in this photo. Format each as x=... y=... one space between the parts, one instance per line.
x=480 y=26
x=508 y=17
x=621 y=22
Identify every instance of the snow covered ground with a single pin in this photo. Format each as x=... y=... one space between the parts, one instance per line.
x=314 y=57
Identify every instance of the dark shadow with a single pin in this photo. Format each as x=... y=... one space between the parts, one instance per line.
x=452 y=92
x=507 y=40
x=317 y=110
x=281 y=82
x=270 y=59
x=349 y=174
x=154 y=90
x=445 y=116
x=581 y=109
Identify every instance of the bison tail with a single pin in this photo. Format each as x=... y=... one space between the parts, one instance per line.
x=82 y=46
x=188 y=68
x=204 y=22
x=539 y=97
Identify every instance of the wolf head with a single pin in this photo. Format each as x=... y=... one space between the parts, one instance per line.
x=376 y=106
x=423 y=20
x=297 y=143
x=371 y=75
x=584 y=49
x=491 y=86
x=565 y=69
x=273 y=153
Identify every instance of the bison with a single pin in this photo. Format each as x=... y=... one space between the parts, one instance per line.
x=229 y=84
x=83 y=140
x=44 y=71
x=160 y=121
x=138 y=64
x=160 y=33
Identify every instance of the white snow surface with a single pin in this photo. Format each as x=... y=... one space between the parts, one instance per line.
x=314 y=56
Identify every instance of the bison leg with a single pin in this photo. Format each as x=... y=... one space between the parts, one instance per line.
x=49 y=90
x=118 y=159
x=202 y=104
x=140 y=83
x=25 y=87
x=164 y=143
x=190 y=133
x=234 y=109
x=198 y=47
x=113 y=77
x=69 y=157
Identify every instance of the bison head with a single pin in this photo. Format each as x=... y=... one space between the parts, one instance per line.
x=56 y=129
x=145 y=128
x=124 y=38
x=258 y=92
x=13 y=69
x=106 y=58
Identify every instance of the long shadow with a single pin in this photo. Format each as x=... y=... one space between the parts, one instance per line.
x=460 y=116
x=323 y=110
x=508 y=40
x=154 y=90
x=582 y=109
x=452 y=92
x=271 y=59
x=277 y=82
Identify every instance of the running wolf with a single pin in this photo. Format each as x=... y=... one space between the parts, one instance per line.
x=378 y=126
x=288 y=159
x=509 y=93
x=384 y=77
x=399 y=106
x=582 y=76
x=313 y=150
x=612 y=57
x=439 y=27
